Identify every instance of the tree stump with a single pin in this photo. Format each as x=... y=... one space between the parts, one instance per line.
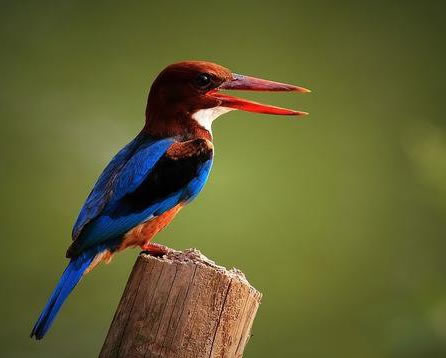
x=182 y=305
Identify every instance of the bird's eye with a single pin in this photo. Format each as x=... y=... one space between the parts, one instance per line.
x=203 y=81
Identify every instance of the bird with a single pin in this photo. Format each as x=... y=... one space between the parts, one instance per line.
x=159 y=172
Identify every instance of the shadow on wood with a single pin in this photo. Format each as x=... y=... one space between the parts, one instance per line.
x=182 y=305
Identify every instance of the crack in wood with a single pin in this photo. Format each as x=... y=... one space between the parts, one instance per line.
x=130 y=313
x=219 y=317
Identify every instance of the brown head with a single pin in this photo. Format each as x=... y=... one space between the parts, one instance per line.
x=185 y=99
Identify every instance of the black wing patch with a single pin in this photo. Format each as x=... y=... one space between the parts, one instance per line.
x=178 y=167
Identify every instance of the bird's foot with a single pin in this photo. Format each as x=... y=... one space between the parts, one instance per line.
x=155 y=249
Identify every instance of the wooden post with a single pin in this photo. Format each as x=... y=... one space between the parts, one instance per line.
x=182 y=305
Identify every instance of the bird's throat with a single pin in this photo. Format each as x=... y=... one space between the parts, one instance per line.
x=185 y=125
x=205 y=117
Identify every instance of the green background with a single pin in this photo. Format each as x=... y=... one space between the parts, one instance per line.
x=339 y=218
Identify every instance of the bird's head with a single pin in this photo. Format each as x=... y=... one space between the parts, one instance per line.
x=185 y=98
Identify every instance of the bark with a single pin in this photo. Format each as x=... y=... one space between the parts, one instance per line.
x=182 y=305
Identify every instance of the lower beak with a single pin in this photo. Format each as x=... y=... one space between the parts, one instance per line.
x=247 y=83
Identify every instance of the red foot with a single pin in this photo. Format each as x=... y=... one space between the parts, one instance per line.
x=155 y=249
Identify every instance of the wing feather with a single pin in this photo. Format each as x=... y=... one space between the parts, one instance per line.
x=110 y=183
x=157 y=177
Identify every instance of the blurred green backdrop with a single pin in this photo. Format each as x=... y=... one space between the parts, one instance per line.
x=339 y=218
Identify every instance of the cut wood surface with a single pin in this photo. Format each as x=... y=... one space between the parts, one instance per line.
x=182 y=305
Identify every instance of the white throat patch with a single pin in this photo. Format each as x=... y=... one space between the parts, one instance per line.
x=205 y=117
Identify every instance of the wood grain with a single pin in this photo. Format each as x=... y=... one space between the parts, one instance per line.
x=182 y=305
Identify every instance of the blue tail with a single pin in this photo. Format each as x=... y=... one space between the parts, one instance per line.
x=70 y=277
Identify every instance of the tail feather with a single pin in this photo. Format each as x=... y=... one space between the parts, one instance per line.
x=69 y=279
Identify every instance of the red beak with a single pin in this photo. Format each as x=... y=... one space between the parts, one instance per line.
x=247 y=83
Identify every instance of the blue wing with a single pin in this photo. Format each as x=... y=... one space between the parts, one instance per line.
x=141 y=182
x=105 y=186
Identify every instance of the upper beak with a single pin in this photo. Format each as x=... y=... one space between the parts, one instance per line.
x=247 y=83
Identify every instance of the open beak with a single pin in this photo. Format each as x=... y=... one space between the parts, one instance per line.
x=247 y=83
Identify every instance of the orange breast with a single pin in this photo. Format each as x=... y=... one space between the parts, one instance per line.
x=143 y=233
x=139 y=235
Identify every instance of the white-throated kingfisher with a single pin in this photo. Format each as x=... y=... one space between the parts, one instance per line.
x=160 y=171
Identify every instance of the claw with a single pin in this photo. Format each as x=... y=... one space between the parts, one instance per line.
x=156 y=250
